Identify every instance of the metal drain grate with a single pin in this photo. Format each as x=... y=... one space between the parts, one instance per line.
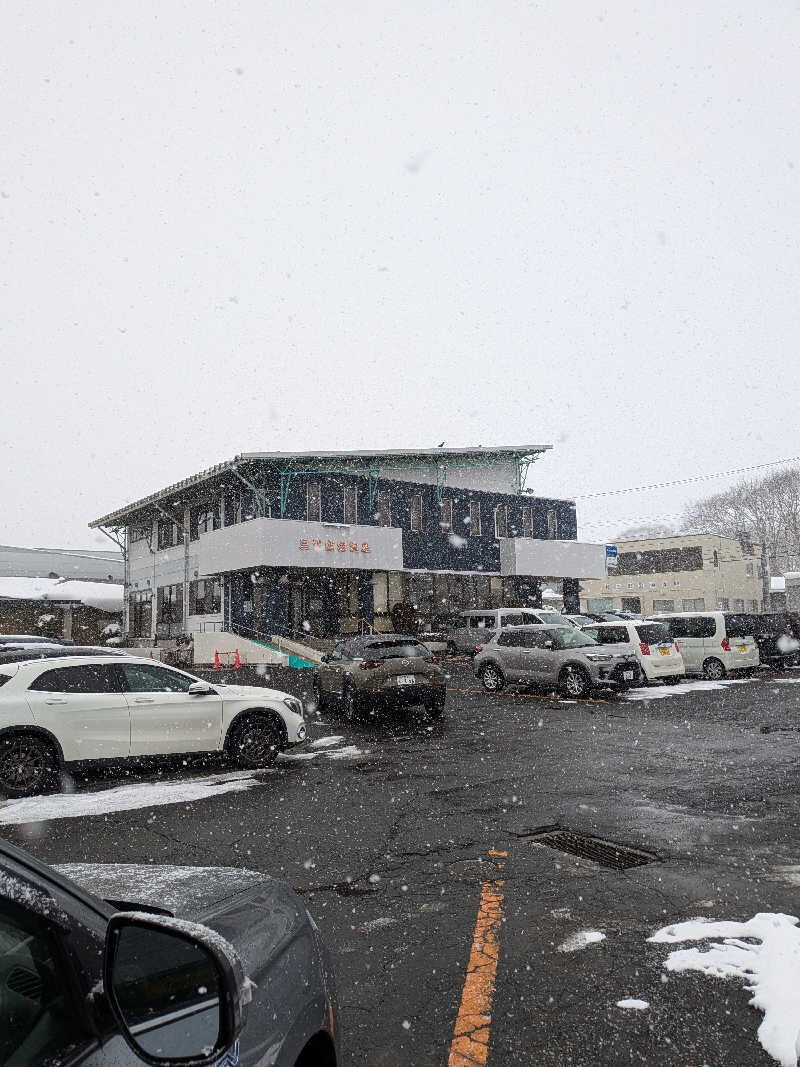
x=606 y=853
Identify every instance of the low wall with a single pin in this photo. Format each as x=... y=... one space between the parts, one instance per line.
x=206 y=644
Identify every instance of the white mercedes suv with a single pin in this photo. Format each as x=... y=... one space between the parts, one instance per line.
x=58 y=711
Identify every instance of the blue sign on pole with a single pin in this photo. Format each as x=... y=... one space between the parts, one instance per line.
x=611 y=555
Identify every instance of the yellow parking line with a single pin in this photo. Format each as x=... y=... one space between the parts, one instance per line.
x=470 y=1044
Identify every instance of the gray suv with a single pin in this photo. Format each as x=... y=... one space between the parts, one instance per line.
x=555 y=656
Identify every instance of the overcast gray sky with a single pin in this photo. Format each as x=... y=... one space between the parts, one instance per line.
x=289 y=225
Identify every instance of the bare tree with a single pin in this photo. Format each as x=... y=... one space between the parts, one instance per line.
x=761 y=510
x=646 y=530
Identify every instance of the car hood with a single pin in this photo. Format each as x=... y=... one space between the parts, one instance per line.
x=253 y=911
x=627 y=649
x=241 y=691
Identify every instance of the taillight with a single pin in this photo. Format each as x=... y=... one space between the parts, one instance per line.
x=431 y=659
x=726 y=645
x=477 y=649
x=369 y=664
x=677 y=649
x=645 y=648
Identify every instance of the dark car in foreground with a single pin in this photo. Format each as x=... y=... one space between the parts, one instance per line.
x=364 y=674
x=777 y=635
x=109 y=965
x=559 y=657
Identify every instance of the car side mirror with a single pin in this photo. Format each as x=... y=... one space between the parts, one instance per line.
x=199 y=689
x=325 y=659
x=177 y=989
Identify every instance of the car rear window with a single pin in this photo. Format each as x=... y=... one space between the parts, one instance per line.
x=395 y=650
x=691 y=626
x=513 y=620
x=550 y=617
x=740 y=625
x=653 y=633
x=773 y=624
x=88 y=678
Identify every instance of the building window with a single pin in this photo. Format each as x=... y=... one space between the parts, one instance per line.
x=527 y=521
x=140 y=614
x=676 y=582
x=384 y=508
x=380 y=592
x=169 y=534
x=716 y=558
x=723 y=603
x=630 y=585
x=501 y=521
x=753 y=605
x=139 y=533
x=693 y=604
x=203 y=519
x=663 y=605
x=313 y=502
x=169 y=604
x=416 y=513
x=350 y=516
x=446 y=515
x=738 y=605
x=749 y=569
x=246 y=505
x=475 y=518
x=654 y=585
x=617 y=585
x=205 y=597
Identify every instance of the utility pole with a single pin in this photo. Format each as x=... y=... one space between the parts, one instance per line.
x=765 y=581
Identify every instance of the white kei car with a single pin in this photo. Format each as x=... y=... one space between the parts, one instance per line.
x=56 y=711
x=658 y=655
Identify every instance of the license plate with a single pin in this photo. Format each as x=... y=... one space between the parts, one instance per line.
x=628 y=676
x=742 y=648
x=406 y=679
x=664 y=651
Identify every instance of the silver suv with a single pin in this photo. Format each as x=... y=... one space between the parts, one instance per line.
x=555 y=656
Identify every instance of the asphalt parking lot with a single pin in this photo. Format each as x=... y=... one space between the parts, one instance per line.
x=457 y=938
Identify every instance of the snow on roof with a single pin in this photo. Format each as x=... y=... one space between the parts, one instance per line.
x=105 y=596
x=777 y=584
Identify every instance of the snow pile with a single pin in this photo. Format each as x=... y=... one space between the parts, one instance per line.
x=325 y=746
x=582 y=939
x=764 y=953
x=634 y=1004
x=122 y=798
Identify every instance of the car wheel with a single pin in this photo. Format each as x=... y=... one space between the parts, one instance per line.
x=349 y=709
x=434 y=708
x=28 y=765
x=674 y=679
x=573 y=682
x=319 y=696
x=492 y=678
x=714 y=669
x=255 y=742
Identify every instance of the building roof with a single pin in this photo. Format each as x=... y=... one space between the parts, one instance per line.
x=365 y=461
x=105 y=596
x=85 y=565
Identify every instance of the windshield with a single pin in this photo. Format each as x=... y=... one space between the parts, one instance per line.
x=551 y=617
x=395 y=650
x=571 y=638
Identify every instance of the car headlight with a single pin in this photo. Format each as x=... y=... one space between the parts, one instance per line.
x=295 y=705
x=595 y=657
x=301 y=732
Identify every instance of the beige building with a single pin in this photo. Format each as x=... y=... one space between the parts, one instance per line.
x=692 y=572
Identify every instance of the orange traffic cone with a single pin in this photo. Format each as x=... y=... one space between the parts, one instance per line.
x=236 y=661
x=217 y=663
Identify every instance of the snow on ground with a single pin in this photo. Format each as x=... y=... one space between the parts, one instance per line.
x=325 y=746
x=659 y=692
x=787 y=681
x=633 y=1003
x=764 y=953
x=582 y=939
x=123 y=798
x=326 y=742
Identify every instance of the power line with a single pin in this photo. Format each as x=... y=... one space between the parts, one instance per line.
x=688 y=481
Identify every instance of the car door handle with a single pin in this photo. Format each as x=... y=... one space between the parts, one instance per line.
x=55 y=700
x=144 y=700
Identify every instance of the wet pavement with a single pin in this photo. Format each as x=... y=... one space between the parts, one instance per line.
x=409 y=840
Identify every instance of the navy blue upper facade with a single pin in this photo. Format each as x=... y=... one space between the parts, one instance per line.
x=426 y=544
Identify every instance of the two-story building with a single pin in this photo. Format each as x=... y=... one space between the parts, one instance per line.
x=331 y=542
x=690 y=572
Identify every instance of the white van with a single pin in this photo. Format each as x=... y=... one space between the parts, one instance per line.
x=714 y=643
x=473 y=628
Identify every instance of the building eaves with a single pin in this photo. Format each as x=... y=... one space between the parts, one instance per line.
x=300 y=460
